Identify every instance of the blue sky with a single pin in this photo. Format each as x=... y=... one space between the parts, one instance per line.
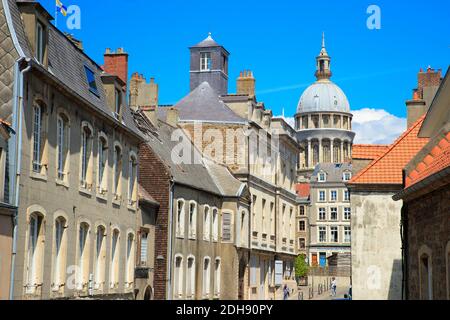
x=278 y=41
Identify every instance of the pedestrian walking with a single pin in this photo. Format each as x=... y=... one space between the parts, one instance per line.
x=286 y=292
x=333 y=287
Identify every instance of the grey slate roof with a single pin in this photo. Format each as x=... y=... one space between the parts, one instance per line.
x=203 y=104
x=333 y=171
x=67 y=63
x=206 y=175
x=208 y=42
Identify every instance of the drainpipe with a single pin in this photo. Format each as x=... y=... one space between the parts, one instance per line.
x=169 y=293
x=17 y=158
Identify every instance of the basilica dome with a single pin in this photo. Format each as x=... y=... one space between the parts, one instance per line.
x=323 y=95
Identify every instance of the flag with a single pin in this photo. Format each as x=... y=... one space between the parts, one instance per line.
x=61 y=8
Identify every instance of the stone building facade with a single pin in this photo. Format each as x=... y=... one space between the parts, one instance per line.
x=202 y=221
x=329 y=213
x=376 y=216
x=75 y=154
x=426 y=206
x=246 y=126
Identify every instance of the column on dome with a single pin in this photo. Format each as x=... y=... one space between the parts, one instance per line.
x=342 y=151
x=320 y=150
x=332 y=150
x=309 y=158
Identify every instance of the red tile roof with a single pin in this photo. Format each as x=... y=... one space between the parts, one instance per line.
x=368 y=151
x=387 y=169
x=435 y=161
x=302 y=190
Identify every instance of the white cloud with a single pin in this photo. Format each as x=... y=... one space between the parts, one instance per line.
x=377 y=126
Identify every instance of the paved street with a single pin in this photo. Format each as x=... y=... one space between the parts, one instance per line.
x=341 y=291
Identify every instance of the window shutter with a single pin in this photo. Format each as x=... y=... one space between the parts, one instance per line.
x=226 y=226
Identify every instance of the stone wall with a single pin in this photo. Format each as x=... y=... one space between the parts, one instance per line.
x=429 y=226
x=376 y=246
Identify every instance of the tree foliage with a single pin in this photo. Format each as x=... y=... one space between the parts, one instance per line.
x=301 y=267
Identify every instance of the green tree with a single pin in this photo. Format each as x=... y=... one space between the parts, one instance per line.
x=301 y=267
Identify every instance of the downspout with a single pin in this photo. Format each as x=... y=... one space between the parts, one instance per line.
x=404 y=239
x=169 y=293
x=17 y=159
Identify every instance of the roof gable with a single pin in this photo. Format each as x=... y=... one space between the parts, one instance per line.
x=387 y=169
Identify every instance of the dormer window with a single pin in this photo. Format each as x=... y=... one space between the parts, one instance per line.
x=347 y=176
x=205 y=61
x=322 y=177
x=90 y=76
x=40 y=42
x=118 y=103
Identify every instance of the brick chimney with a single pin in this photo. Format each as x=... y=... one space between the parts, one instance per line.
x=246 y=83
x=116 y=63
x=428 y=83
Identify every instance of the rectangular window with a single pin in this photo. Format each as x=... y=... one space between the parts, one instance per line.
x=301 y=243
x=86 y=146
x=334 y=214
x=90 y=76
x=302 y=210
x=205 y=61
x=226 y=226
x=347 y=234
x=117 y=170
x=301 y=225
x=322 y=214
x=334 y=234
x=322 y=234
x=144 y=248
x=40 y=42
x=322 y=196
x=346 y=195
x=347 y=213
x=333 y=195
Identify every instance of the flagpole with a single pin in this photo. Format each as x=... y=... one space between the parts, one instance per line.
x=56 y=16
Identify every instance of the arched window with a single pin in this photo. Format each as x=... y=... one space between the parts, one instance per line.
x=425 y=273
x=337 y=152
x=192 y=220
x=206 y=223
x=59 y=257
x=326 y=152
x=83 y=255
x=129 y=278
x=215 y=225
x=206 y=277
x=39 y=138
x=62 y=147
x=180 y=218
x=217 y=274
x=178 y=277
x=35 y=252
x=100 y=258
x=190 y=278
x=114 y=267
x=315 y=155
x=132 y=180
x=102 y=183
x=117 y=171
x=86 y=155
